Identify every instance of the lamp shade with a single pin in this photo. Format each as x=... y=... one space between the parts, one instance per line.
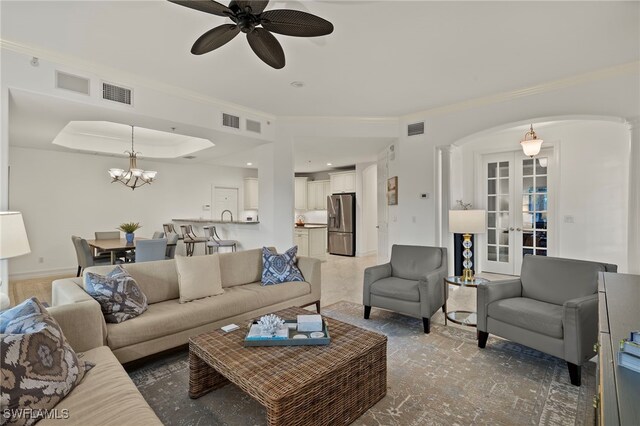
x=13 y=236
x=531 y=147
x=467 y=221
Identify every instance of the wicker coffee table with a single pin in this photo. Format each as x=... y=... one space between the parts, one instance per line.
x=298 y=385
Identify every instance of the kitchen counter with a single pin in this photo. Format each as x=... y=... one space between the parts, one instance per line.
x=310 y=226
x=205 y=221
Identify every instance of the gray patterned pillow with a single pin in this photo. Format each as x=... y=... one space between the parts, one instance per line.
x=280 y=268
x=117 y=293
x=39 y=368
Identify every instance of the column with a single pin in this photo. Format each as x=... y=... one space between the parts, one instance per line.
x=634 y=197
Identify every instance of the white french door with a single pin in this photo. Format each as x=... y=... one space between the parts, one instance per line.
x=517 y=195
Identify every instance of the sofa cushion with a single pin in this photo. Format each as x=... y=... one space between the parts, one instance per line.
x=541 y=317
x=158 y=280
x=242 y=267
x=396 y=288
x=169 y=317
x=106 y=396
x=118 y=294
x=414 y=262
x=280 y=268
x=39 y=368
x=198 y=277
x=271 y=294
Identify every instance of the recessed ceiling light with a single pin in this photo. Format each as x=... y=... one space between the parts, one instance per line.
x=297 y=84
x=249 y=164
x=329 y=164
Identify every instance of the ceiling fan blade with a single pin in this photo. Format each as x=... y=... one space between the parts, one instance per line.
x=208 y=6
x=256 y=6
x=215 y=38
x=295 y=23
x=266 y=46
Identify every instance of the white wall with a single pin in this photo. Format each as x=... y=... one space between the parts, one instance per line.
x=62 y=194
x=591 y=183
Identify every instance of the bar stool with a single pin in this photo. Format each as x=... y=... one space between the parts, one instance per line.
x=215 y=242
x=191 y=239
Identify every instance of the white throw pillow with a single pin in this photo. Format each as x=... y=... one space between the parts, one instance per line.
x=198 y=277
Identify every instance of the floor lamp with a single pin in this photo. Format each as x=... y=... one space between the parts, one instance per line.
x=467 y=222
x=13 y=243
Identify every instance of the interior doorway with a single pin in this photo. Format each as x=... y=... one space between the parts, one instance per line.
x=517 y=192
x=224 y=199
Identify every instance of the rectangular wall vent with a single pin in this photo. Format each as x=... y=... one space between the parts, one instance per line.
x=229 y=120
x=72 y=82
x=114 y=93
x=253 y=126
x=415 y=129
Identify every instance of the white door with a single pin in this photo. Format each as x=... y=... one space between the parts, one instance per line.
x=225 y=199
x=383 y=232
x=517 y=195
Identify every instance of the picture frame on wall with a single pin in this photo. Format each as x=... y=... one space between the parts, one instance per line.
x=392 y=191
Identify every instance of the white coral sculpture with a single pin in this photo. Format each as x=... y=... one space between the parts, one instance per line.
x=270 y=324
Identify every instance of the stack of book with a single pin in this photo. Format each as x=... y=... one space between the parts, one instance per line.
x=629 y=354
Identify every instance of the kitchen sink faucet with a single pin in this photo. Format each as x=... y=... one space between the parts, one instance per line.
x=222 y=215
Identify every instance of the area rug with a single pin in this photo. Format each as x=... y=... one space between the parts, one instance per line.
x=441 y=378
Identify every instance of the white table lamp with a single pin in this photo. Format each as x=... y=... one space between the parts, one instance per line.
x=467 y=222
x=13 y=243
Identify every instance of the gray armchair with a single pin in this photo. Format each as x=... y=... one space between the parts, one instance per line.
x=552 y=307
x=411 y=283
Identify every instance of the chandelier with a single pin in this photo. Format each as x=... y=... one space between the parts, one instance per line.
x=134 y=177
x=531 y=144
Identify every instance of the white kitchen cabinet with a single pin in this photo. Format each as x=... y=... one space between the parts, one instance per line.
x=251 y=193
x=301 y=193
x=343 y=182
x=317 y=192
x=311 y=242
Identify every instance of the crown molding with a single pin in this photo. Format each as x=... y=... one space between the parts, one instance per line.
x=126 y=78
x=550 y=86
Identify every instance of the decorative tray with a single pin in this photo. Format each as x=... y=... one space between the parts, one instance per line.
x=290 y=339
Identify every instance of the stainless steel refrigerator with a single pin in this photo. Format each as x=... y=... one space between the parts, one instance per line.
x=341 y=218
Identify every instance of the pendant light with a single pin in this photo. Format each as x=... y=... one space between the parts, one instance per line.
x=531 y=144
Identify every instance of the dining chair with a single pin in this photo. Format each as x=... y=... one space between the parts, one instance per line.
x=150 y=250
x=170 y=229
x=215 y=242
x=191 y=239
x=84 y=255
x=172 y=243
x=157 y=235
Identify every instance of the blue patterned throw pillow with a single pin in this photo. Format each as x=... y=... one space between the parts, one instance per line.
x=117 y=293
x=39 y=367
x=280 y=268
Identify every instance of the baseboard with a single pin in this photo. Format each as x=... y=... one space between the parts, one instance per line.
x=367 y=253
x=43 y=273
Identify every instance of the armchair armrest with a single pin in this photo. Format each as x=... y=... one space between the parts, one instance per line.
x=580 y=325
x=311 y=271
x=492 y=291
x=82 y=324
x=433 y=293
x=371 y=275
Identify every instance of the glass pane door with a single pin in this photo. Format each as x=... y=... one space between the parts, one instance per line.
x=498 y=179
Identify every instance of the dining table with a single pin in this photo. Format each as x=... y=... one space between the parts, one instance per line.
x=113 y=246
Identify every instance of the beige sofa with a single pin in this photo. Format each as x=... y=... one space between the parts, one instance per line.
x=168 y=323
x=106 y=396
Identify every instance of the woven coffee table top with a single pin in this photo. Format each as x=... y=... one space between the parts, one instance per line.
x=278 y=371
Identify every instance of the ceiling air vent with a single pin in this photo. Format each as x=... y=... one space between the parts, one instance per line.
x=253 y=126
x=229 y=120
x=189 y=157
x=415 y=129
x=115 y=93
x=72 y=82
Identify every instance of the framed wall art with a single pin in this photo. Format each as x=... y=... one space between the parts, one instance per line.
x=392 y=191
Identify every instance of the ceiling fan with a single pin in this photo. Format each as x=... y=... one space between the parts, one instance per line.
x=250 y=18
